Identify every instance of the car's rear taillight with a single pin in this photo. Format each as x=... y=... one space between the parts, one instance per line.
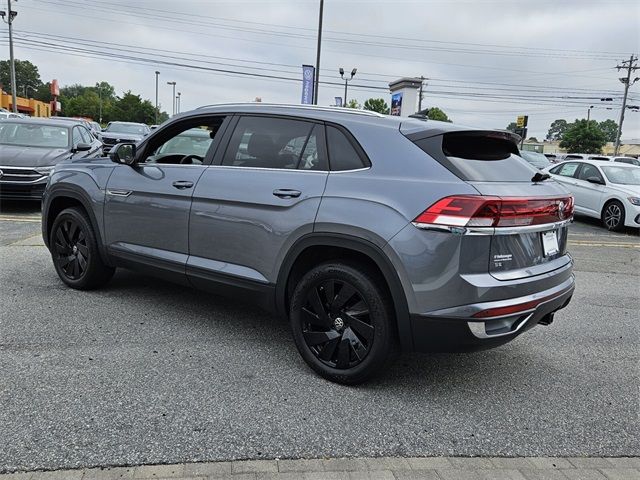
x=485 y=211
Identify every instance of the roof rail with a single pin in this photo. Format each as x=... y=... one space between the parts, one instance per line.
x=352 y=111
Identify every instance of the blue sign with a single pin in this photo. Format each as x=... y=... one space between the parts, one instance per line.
x=308 y=74
x=396 y=104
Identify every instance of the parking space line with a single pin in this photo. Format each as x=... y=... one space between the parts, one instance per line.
x=603 y=244
x=8 y=218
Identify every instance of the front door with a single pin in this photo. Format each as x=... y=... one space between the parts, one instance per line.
x=588 y=194
x=147 y=205
x=258 y=197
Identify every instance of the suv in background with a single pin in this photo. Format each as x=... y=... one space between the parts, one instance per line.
x=119 y=132
x=366 y=231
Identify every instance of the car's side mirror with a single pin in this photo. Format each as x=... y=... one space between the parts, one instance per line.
x=82 y=147
x=595 y=180
x=124 y=153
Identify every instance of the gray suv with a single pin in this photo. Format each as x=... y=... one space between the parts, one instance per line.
x=367 y=232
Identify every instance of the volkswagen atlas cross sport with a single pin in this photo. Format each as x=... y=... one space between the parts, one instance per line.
x=366 y=231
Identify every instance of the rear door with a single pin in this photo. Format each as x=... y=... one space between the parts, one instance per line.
x=260 y=195
x=519 y=246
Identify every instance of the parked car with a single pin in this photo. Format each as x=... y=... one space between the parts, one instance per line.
x=553 y=157
x=29 y=149
x=603 y=190
x=628 y=160
x=365 y=230
x=536 y=159
x=5 y=115
x=119 y=132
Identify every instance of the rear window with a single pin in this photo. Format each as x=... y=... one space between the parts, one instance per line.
x=478 y=157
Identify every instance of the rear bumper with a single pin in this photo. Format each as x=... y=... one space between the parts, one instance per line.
x=457 y=329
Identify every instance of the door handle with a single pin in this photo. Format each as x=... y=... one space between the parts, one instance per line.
x=182 y=184
x=286 y=193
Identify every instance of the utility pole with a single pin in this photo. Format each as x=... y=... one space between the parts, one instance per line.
x=420 y=94
x=630 y=65
x=317 y=79
x=589 y=115
x=174 y=96
x=178 y=100
x=157 y=73
x=10 y=14
x=99 y=87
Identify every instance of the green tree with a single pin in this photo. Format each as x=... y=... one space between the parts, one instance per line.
x=131 y=108
x=583 y=136
x=377 y=105
x=512 y=127
x=434 y=113
x=353 y=103
x=557 y=129
x=610 y=129
x=27 y=75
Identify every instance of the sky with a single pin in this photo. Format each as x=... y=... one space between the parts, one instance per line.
x=485 y=61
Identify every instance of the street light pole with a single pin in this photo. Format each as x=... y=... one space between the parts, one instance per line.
x=157 y=73
x=346 y=80
x=99 y=87
x=10 y=14
x=589 y=114
x=174 y=96
x=178 y=100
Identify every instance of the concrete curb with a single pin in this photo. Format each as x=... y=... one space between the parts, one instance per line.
x=385 y=468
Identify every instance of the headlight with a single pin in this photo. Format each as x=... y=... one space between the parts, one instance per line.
x=44 y=170
x=634 y=200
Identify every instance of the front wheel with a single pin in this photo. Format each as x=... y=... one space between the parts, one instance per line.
x=342 y=322
x=613 y=216
x=74 y=250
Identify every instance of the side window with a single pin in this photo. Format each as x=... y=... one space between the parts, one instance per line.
x=567 y=169
x=86 y=136
x=589 y=171
x=342 y=154
x=186 y=143
x=265 y=142
x=77 y=137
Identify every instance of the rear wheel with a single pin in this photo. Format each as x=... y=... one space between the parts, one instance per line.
x=342 y=322
x=613 y=215
x=74 y=250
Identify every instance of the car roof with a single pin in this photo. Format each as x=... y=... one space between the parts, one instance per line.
x=41 y=121
x=607 y=163
x=127 y=123
x=336 y=114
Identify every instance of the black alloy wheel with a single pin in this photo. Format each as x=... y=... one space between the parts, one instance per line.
x=342 y=321
x=336 y=325
x=70 y=244
x=74 y=250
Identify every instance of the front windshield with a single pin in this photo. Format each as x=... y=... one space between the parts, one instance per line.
x=622 y=175
x=26 y=135
x=192 y=142
x=535 y=159
x=127 y=128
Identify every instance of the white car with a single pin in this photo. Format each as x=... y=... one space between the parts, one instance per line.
x=604 y=190
x=629 y=160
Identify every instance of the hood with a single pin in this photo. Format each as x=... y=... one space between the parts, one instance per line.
x=19 y=156
x=122 y=136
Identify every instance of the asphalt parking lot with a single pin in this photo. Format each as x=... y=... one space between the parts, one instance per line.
x=148 y=372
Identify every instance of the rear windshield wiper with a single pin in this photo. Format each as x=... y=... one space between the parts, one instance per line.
x=540 y=177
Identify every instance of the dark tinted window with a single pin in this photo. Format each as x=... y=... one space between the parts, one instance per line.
x=274 y=143
x=342 y=154
x=589 y=171
x=479 y=157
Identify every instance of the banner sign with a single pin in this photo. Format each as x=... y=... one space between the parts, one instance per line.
x=308 y=74
x=396 y=104
x=338 y=101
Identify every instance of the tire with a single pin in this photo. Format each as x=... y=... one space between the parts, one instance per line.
x=348 y=339
x=613 y=216
x=74 y=251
